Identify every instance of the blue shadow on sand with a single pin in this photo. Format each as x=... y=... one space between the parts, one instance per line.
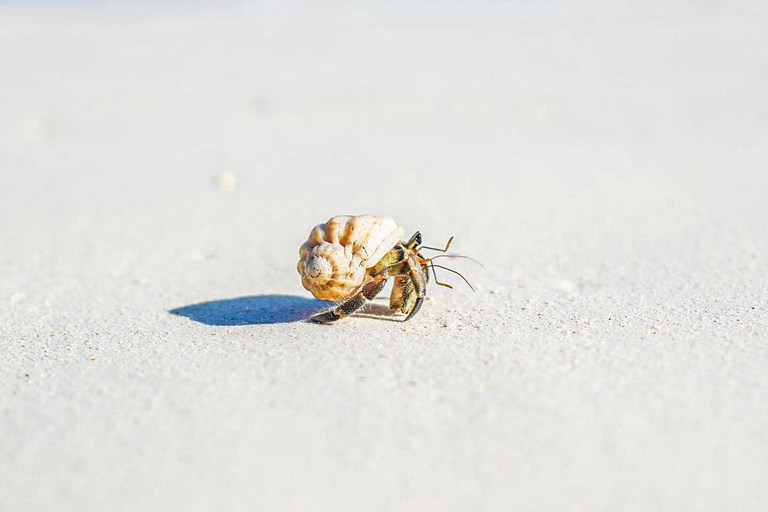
x=252 y=310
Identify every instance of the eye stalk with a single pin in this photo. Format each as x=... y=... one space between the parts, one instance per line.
x=414 y=242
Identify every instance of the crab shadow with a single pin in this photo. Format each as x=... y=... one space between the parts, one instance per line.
x=252 y=310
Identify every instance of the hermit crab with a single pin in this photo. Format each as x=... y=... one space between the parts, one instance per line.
x=349 y=259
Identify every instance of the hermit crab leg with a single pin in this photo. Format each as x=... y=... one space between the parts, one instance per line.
x=401 y=294
x=419 y=280
x=352 y=304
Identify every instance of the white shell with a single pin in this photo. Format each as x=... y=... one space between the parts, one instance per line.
x=334 y=259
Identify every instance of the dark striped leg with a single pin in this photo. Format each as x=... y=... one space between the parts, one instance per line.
x=402 y=298
x=419 y=280
x=352 y=304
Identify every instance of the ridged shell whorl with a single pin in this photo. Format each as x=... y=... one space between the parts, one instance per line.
x=334 y=259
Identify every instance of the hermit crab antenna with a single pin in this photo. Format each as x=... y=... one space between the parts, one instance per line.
x=437 y=249
x=434 y=272
x=457 y=256
x=455 y=272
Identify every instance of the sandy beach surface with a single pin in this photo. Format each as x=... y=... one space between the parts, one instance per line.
x=160 y=166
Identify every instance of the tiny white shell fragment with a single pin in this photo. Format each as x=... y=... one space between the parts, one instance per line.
x=334 y=259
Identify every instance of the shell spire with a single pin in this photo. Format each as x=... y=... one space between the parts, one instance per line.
x=334 y=259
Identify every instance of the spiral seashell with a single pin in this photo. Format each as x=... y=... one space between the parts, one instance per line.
x=334 y=259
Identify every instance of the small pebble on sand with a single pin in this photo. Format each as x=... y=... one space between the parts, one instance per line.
x=224 y=181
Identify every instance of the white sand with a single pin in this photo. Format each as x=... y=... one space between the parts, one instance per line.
x=607 y=165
